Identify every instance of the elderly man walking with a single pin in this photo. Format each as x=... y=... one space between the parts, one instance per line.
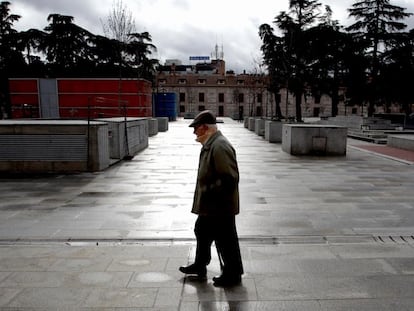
x=216 y=201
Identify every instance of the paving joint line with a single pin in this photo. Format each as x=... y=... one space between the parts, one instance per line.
x=257 y=240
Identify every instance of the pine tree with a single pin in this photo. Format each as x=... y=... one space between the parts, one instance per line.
x=377 y=24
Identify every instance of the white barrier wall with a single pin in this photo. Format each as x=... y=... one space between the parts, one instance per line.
x=53 y=146
x=126 y=141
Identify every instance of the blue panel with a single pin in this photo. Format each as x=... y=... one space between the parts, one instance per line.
x=166 y=105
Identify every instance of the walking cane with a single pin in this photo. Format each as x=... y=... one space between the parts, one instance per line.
x=220 y=259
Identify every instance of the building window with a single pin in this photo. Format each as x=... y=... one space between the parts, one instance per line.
x=182 y=97
x=201 y=108
x=201 y=81
x=241 y=98
x=259 y=98
x=182 y=81
x=221 y=97
x=201 y=97
x=240 y=82
x=182 y=108
x=221 y=81
x=162 y=81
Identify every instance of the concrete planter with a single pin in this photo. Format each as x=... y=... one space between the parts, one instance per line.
x=252 y=122
x=273 y=131
x=304 y=139
x=152 y=127
x=246 y=122
x=259 y=127
x=162 y=124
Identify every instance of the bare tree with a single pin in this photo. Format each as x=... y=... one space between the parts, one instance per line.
x=119 y=24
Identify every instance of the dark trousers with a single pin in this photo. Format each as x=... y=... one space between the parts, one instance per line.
x=222 y=231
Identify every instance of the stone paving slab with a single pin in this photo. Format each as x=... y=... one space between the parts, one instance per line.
x=144 y=276
x=317 y=233
x=150 y=196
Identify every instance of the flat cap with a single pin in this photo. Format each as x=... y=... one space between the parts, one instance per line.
x=204 y=117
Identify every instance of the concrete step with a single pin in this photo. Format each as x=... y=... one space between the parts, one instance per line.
x=376 y=137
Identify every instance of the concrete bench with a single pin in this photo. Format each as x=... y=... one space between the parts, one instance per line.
x=318 y=139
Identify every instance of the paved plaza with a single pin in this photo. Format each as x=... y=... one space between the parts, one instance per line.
x=317 y=233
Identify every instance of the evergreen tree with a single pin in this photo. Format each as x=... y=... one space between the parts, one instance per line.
x=133 y=48
x=66 y=49
x=328 y=48
x=140 y=48
x=8 y=36
x=275 y=59
x=301 y=16
x=377 y=23
x=397 y=73
x=292 y=58
x=66 y=45
x=11 y=58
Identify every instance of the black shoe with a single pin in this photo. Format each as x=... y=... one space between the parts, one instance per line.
x=194 y=269
x=226 y=280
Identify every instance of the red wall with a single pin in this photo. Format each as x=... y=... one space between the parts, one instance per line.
x=104 y=97
x=24 y=98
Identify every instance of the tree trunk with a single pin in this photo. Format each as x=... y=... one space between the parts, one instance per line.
x=298 y=101
x=278 y=112
x=335 y=102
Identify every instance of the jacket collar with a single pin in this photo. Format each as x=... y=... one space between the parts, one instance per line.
x=210 y=140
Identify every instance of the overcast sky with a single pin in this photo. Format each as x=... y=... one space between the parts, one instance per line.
x=183 y=28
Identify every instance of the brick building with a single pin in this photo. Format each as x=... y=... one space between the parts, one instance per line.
x=207 y=85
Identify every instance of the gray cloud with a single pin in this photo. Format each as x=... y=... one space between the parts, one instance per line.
x=177 y=30
x=86 y=14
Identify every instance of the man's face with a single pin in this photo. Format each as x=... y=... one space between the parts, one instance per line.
x=200 y=131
